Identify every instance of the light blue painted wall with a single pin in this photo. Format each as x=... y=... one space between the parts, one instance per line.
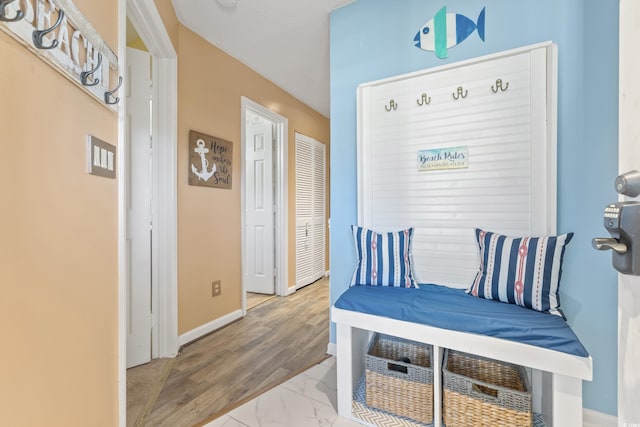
x=372 y=39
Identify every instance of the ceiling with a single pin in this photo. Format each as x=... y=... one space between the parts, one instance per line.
x=286 y=41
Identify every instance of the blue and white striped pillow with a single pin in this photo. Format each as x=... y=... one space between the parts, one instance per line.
x=384 y=259
x=520 y=270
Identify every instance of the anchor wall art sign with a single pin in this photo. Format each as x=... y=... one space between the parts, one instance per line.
x=210 y=160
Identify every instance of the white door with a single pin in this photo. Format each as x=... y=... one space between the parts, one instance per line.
x=629 y=159
x=310 y=210
x=259 y=204
x=138 y=208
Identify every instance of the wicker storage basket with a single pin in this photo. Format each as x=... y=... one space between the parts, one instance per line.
x=482 y=392
x=399 y=377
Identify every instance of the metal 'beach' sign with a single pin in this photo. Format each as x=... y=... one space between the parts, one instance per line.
x=58 y=33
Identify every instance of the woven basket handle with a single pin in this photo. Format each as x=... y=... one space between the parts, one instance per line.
x=475 y=390
x=395 y=367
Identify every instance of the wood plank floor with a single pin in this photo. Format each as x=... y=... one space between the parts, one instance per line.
x=254 y=300
x=275 y=341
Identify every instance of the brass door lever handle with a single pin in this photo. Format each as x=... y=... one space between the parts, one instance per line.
x=604 y=243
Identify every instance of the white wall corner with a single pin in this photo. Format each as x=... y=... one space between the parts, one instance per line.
x=592 y=418
x=331 y=349
x=207 y=328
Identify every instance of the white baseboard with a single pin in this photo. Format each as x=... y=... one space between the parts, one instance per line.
x=207 y=328
x=326 y=273
x=331 y=348
x=291 y=290
x=592 y=418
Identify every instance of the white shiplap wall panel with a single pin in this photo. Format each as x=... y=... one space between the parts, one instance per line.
x=506 y=187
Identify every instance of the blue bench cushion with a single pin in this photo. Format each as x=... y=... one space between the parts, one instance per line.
x=453 y=309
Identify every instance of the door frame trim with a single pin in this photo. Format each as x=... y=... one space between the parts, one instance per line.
x=628 y=154
x=281 y=196
x=145 y=17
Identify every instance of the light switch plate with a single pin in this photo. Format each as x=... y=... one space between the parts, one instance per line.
x=101 y=157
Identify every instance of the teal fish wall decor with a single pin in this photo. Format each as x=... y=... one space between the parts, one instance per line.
x=447 y=30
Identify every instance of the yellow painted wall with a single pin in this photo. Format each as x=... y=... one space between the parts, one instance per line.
x=137 y=44
x=58 y=245
x=210 y=86
x=58 y=225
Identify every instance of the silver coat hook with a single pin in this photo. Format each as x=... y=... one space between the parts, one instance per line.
x=392 y=106
x=39 y=34
x=459 y=93
x=499 y=86
x=109 y=94
x=3 y=17
x=84 y=76
x=425 y=100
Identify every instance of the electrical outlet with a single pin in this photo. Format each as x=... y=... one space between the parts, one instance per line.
x=216 y=288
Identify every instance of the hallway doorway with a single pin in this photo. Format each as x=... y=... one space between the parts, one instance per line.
x=260 y=170
x=147 y=22
x=264 y=201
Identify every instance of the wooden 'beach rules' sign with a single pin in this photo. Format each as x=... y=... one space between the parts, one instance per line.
x=210 y=160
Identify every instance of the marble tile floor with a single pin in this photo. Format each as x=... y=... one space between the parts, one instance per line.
x=307 y=400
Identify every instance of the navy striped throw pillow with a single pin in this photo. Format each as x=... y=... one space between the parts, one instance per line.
x=520 y=270
x=384 y=259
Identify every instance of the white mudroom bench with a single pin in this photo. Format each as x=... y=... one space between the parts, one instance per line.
x=441 y=316
x=506 y=183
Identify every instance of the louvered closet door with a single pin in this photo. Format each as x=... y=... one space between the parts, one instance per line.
x=310 y=210
x=318 y=221
x=504 y=133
